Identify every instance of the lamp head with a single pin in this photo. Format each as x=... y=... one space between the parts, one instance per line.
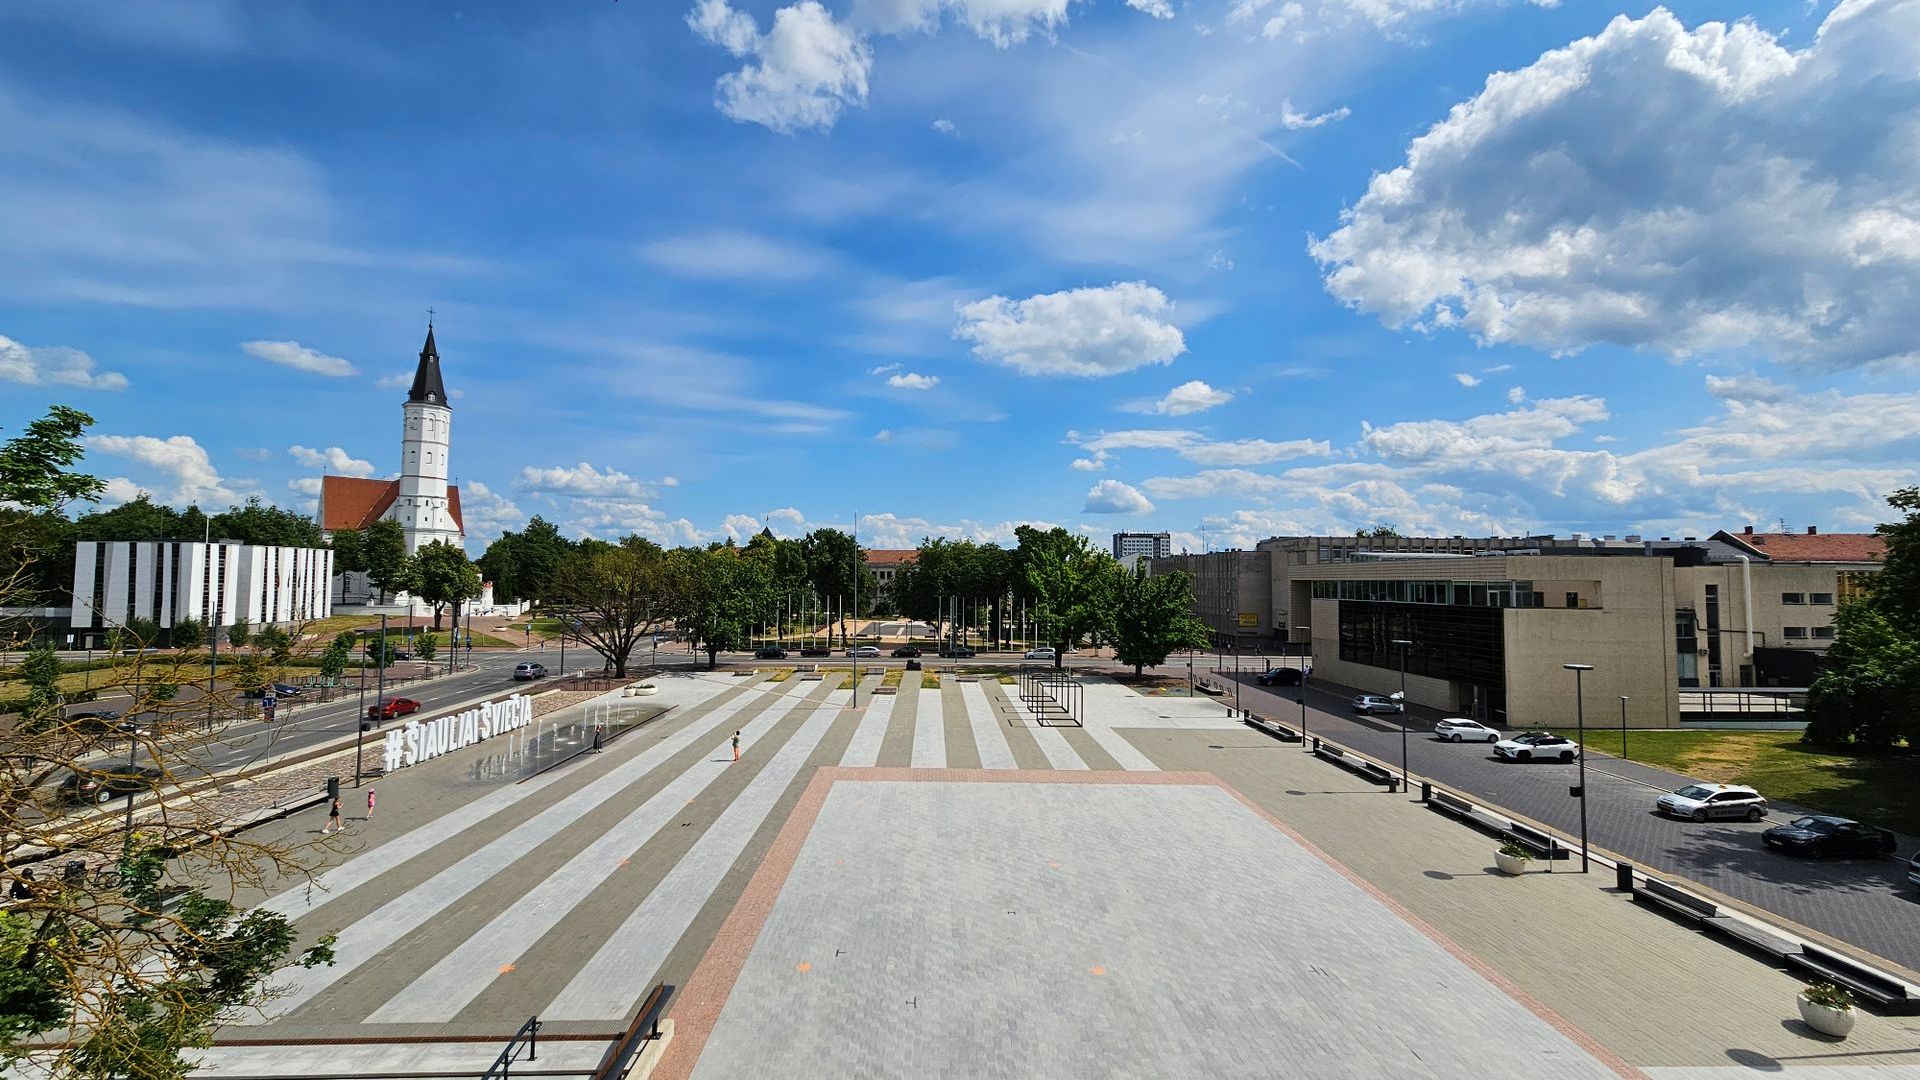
x=1578 y=667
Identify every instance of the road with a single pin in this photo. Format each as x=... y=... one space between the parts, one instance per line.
x=1866 y=902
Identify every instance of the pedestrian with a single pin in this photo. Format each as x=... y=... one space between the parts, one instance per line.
x=23 y=885
x=736 y=746
x=369 y=804
x=333 y=818
x=600 y=735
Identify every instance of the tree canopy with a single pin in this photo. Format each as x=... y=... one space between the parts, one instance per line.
x=1152 y=617
x=616 y=596
x=1871 y=675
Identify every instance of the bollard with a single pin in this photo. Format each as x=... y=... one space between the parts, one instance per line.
x=1623 y=877
x=1316 y=744
x=1393 y=785
x=1426 y=791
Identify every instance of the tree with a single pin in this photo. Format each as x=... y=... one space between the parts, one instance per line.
x=383 y=550
x=34 y=465
x=1870 y=677
x=257 y=523
x=1378 y=532
x=187 y=633
x=144 y=632
x=835 y=566
x=40 y=670
x=424 y=646
x=349 y=554
x=239 y=634
x=1070 y=581
x=1896 y=588
x=1152 y=617
x=275 y=642
x=442 y=575
x=615 y=596
x=721 y=596
x=333 y=662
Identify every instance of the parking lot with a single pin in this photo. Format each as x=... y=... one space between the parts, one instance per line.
x=1867 y=903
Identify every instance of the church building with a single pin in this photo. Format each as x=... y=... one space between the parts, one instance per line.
x=421 y=500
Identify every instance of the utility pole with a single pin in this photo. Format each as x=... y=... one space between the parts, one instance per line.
x=1580 y=714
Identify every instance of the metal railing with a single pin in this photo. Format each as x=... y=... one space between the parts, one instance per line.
x=1055 y=697
x=645 y=1028
x=528 y=1037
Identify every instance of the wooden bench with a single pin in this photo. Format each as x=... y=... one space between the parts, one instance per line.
x=1278 y=731
x=1691 y=909
x=1883 y=990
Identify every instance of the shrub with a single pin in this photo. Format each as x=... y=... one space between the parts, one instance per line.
x=1511 y=849
x=1830 y=996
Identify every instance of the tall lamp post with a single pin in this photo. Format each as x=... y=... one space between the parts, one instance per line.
x=1404 y=645
x=853 y=651
x=1623 y=728
x=1580 y=720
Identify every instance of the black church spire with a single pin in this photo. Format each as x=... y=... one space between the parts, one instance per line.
x=427 y=387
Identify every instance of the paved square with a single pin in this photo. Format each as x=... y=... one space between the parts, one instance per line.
x=949 y=923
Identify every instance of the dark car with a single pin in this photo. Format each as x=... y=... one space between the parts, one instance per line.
x=395 y=706
x=958 y=652
x=285 y=690
x=109 y=784
x=770 y=653
x=907 y=651
x=96 y=720
x=1823 y=834
x=1279 y=676
x=815 y=650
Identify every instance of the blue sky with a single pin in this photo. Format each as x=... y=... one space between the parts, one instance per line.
x=1252 y=266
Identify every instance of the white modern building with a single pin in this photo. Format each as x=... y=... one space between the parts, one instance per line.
x=219 y=583
x=1152 y=545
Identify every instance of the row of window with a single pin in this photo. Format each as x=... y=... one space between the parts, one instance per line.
x=1518 y=594
x=1799 y=633
x=1806 y=598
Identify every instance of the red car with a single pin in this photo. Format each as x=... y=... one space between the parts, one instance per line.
x=396 y=706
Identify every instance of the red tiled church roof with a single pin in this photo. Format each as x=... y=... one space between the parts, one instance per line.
x=349 y=502
x=1810 y=546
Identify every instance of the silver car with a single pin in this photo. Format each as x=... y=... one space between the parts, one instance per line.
x=1368 y=704
x=529 y=670
x=1702 y=801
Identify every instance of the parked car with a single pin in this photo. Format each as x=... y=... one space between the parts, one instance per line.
x=958 y=651
x=529 y=670
x=397 y=653
x=1368 y=704
x=1460 y=729
x=1536 y=746
x=96 y=720
x=864 y=650
x=815 y=650
x=907 y=651
x=770 y=652
x=1279 y=676
x=1041 y=653
x=287 y=690
x=109 y=784
x=1913 y=870
x=395 y=706
x=1824 y=834
x=1703 y=801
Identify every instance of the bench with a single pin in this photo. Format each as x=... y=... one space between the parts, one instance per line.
x=1455 y=807
x=1360 y=767
x=1691 y=909
x=1538 y=842
x=1278 y=731
x=885 y=690
x=1746 y=934
x=1881 y=989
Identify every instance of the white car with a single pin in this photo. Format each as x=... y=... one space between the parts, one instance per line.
x=864 y=650
x=1537 y=746
x=1703 y=801
x=1040 y=654
x=1459 y=729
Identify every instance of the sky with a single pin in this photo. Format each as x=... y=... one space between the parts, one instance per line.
x=1224 y=268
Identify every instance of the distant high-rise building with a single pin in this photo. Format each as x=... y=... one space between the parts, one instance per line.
x=1152 y=545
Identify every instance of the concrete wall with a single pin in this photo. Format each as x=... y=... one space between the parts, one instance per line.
x=1628 y=639
x=1225 y=584
x=1771 y=616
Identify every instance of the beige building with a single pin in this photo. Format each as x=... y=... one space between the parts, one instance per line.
x=1232 y=591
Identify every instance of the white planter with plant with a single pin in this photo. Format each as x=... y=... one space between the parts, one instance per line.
x=645 y=689
x=1827 y=1009
x=1512 y=859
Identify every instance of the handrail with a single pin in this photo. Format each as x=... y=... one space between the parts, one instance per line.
x=530 y=1031
x=645 y=1028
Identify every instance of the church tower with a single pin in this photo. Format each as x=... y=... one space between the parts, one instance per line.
x=421 y=503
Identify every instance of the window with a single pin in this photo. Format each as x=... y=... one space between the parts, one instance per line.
x=1793 y=632
x=1820 y=598
x=1573 y=599
x=1824 y=633
x=1793 y=598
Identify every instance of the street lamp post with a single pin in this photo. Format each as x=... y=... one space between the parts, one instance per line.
x=1580 y=720
x=1623 y=728
x=1236 y=681
x=1404 y=645
x=853 y=651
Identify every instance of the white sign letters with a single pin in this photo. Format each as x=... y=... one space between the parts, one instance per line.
x=424 y=740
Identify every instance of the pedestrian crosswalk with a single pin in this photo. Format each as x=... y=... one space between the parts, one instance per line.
x=544 y=838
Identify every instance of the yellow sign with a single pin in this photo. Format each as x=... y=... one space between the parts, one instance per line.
x=1250 y=620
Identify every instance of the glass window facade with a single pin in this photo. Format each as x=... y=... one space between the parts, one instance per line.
x=1480 y=594
x=1463 y=644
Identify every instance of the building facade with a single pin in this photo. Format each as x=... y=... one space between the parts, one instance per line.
x=885 y=565
x=1231 y=592
x=1151 y=545
x=219 y=583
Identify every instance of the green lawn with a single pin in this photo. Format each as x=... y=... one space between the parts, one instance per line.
x=1882 y=788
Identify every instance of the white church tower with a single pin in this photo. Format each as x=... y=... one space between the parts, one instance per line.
x=421 y=503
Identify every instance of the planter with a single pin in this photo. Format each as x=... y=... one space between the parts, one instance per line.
x=1510 y=864
x=645 y=691
x=1826 y=1021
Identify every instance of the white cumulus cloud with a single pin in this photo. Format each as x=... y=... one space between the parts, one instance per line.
x=1088 y=332
x=1466 y=380
x=912 y=380
x=799 y=75
x=332 y=460
x=1680 y=190
x=1191 y=397
x=182 y=461
x=579 y=481
x=1114 y=497
x=298 y=357
x=54 y=365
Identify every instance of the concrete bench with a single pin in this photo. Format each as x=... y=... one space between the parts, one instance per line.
x=1540 y=843
x=1455 y=807
x=1746 y=934
x=1278 y=731
x=1878 y=987
x=1688 y=907
x=1360 y=767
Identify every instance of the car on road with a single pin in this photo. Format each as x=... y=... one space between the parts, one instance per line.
x=109 y=784
x=1368 y=704
x=1913 y=870
x=1703 y=801
x=907 y=651
x=770 y=652
x=395 y=653
x=1824 y=834
x=1536 y=746
x=286 y=690
x=395 y=706
x=1460 y=729
x=958 y=652
x=1042 y=653
x=527 y=669
x=864 y=650
x=815 y=650
x=1279 y=676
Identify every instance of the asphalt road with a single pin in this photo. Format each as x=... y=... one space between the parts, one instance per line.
x=1866 y=902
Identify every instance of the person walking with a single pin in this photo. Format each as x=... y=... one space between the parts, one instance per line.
x=369 y=804
x=736 y=746
x=333 y=818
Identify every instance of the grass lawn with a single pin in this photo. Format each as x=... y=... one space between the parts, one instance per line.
x=1881 y=788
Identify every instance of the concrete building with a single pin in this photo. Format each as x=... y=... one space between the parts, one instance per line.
x=220 y=583
x=1152 y=545
x=1231 y=593
x=885 y=564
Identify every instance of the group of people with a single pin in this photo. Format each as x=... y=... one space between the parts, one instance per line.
x=334 y=823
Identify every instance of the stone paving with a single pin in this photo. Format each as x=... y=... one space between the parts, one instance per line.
x=473 y=904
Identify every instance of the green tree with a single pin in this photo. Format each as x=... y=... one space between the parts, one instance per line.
x=239 y=634
x=1870 y=677
x=34 y=466
x=275 y=642
x=380 y=651
x=139 y=518
x=187 y=633
x=144 y=632
x=424 y=646
x=383 y=549
x=257 y=523
x=349 y=554
x=1378 y=532
x=615 y=596
x=835 y=566
x=443 y=575
x=721 y=596
x=1152 y=617
x=1896 y=588
x=500 y=564
x=333 y=661
x=40 y=670
x=1071 y=584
